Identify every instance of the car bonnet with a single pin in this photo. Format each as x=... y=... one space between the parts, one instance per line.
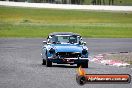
x=67 y=48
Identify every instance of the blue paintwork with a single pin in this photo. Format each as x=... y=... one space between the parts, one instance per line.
x=63 y=48
x=67 y=48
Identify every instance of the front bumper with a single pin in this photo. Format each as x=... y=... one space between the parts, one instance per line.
x=69 y=60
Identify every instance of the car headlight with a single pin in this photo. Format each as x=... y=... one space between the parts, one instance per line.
x=52 y=51
x=84 y=51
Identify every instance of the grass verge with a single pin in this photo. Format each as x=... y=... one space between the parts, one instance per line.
x=32 y=22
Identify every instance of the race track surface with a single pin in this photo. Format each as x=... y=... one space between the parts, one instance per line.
x=20 y=64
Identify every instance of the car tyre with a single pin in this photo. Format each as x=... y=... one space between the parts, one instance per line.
x=43 y=62
x=78 y=65
x=48 y=63
x=85 y=65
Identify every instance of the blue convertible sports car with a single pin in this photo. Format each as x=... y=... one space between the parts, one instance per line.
x=65 y=48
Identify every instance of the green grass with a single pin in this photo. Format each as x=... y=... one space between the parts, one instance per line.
x=31 y=22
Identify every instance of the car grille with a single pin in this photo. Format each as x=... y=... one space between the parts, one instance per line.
x=68 y=54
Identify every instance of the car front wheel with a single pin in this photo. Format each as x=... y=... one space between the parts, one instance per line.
x=83 y=64
x=43 y=62
x=48 y=63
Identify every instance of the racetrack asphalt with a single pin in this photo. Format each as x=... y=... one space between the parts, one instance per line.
x=20 y=64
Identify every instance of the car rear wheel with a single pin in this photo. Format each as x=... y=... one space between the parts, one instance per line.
x=48 y=63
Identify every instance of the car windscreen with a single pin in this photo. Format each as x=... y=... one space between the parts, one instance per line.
x=65 y=39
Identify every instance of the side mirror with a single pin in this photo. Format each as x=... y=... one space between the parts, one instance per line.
x=84 y=43
x=44 y=42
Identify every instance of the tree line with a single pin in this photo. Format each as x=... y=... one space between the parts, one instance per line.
x=99 y=2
